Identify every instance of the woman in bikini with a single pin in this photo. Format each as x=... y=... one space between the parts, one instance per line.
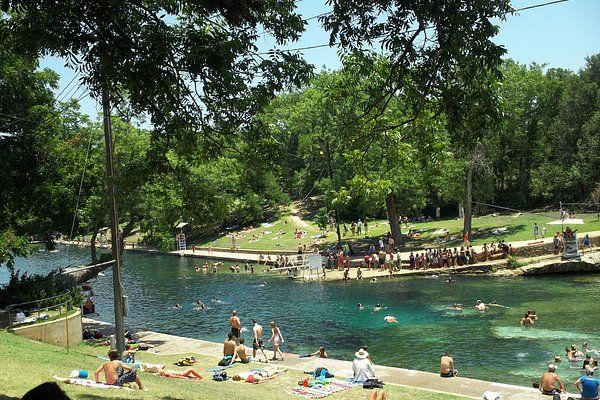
x=277 y=339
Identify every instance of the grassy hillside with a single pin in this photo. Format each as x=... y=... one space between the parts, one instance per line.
x=279 y=234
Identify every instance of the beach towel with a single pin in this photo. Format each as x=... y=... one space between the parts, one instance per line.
x=220 y=368
x=89 y=383
x=320 y=391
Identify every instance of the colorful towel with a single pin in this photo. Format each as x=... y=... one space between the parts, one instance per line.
x=89 y=383
x=320 y=391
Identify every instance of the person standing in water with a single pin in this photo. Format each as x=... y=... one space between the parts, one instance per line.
x=277 y=339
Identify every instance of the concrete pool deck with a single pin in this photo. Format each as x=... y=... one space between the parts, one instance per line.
x=471 y=388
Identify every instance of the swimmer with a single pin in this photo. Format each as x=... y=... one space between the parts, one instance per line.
x=201 y=305
x=455 y=307
x=177 y=306
x=450 y=280
x=216 y=300
x=360 y=306
x=481 y=306
x=434 y=276
x=525 y=321
x=390 y=319
x=373 y=280
x=377 y=307
x=494 y=304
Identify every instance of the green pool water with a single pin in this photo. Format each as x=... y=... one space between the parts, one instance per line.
x=490 y=345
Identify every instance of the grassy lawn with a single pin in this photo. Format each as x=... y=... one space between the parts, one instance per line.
x=26 y=364
x=279 y=234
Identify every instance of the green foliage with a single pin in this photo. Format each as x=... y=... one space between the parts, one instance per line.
x=513 y=263
x=27 y=288
x=12 y=246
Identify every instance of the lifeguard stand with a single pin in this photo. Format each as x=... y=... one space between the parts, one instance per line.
x=180 y=237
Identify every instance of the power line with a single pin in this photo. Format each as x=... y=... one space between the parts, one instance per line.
x=407 y=31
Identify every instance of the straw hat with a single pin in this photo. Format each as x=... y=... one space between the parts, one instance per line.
x=361 y=354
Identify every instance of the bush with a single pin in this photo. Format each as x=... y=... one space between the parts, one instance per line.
x=25 y=288
x=513 y=263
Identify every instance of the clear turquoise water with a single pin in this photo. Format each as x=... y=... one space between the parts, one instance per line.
x=488 y=345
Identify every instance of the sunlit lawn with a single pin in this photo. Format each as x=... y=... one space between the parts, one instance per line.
x=518 y=228
x=26 y=364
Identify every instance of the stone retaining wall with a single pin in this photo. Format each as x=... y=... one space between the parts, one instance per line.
x=55 y=331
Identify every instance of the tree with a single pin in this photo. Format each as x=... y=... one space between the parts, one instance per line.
x=11 y=246
x=193 y=67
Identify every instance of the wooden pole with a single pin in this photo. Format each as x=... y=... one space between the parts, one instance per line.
x=114 y=225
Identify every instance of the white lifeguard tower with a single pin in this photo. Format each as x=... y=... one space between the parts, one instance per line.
x=180 y=237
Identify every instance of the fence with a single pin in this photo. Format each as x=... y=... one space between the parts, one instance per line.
x=38 y=310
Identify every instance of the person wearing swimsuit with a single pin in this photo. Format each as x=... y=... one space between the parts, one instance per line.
x=277 y=339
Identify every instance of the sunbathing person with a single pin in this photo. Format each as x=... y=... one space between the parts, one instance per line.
x=171 y=373
x=117 y=373
x=259 y=375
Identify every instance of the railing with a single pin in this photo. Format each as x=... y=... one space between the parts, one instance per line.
x=42 y=309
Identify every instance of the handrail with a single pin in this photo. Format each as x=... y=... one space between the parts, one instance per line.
x=37 y=301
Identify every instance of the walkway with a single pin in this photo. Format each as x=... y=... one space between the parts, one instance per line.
x=472 y=388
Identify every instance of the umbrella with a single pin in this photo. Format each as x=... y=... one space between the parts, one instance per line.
x=567 y=221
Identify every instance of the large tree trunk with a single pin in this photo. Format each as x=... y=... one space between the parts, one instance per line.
x=469 y=202
x=93 y=241
x=393 y=218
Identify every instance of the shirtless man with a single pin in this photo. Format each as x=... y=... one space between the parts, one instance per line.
x=258 y=342
x=236 y=326
x=111 y=371
x=526 y=321
x=240 y=353
x=549 y=381
x=447 y=366
x=229 y=348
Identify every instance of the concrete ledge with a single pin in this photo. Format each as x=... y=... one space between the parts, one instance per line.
x=55 y=331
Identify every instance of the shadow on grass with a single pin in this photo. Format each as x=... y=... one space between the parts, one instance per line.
x=4 y=397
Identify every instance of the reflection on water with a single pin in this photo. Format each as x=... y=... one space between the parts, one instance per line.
x=488 y=345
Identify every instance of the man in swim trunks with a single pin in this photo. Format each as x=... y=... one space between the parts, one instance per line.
x=240 y=353
x=258 y=342
x=525 y=321
x=588 y=385
x=117 y=373
x=447 y=366
x=236 y=326
x=549 y=381
x=229 y=348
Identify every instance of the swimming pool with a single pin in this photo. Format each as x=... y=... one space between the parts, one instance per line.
x=489 y=345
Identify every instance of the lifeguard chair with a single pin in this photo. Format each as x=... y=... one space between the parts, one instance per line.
x=180 y=236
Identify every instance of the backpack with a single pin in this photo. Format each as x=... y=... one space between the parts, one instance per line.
x=220 y=376
x=373 y=383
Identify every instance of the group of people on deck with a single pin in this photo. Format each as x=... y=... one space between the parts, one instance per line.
x=234 y=348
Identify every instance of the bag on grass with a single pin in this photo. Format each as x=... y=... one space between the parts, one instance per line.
x=373 y=384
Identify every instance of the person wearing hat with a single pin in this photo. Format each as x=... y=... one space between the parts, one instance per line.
x=588 y=385
x=362 y=366
x=549 y=381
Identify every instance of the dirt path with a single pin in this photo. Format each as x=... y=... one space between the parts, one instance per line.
x=296 y=219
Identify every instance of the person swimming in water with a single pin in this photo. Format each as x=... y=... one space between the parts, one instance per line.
x=360 y=306
x=377 y=307
x=177 y=306
x=373 y=280
x=390 y=319
x=455 y=307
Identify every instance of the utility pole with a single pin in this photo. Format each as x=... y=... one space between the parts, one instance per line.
x=335 y=209
x=114 y=224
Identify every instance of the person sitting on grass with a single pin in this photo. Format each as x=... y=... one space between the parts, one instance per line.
x=170 y=373
x=117 y=373
x=228 y=350
x=240 y=353
x=362 y=366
